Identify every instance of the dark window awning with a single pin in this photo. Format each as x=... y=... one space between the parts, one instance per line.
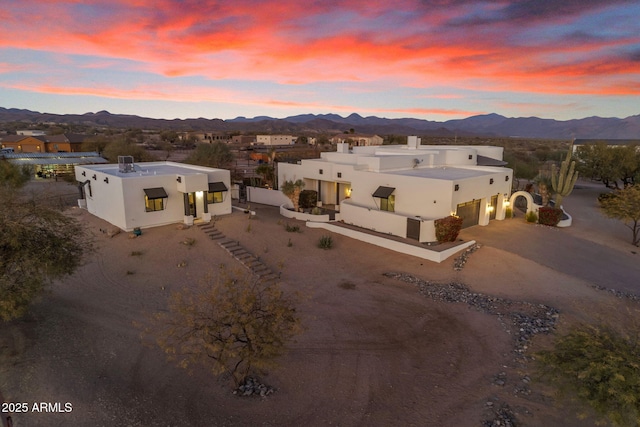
x=383 y=192
x=488 y=161
x=215 y=187
x=155 y=193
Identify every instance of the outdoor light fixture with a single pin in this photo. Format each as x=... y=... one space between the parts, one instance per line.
x=106 y=180
x=179 y=179
x=490 y=180
x=84 y=173
x=456 y=187
x=94 y=177
x=506 y=178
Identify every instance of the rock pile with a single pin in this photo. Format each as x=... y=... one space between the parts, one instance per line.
x=618 y=294
x=502 y=416
x=253 y=387
x=461 y=260
x=523 y=319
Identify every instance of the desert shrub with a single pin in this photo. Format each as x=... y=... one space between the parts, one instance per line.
x=292 y=228
x=532 y=216
x=308 y=199
x=601 y=368
x=448 y=228
x=605 y=196
x=326 y=242
x=508 y=213
x=316 y=211
x=549 y=216
x=189 y=241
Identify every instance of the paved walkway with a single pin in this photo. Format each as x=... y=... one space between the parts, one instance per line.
x=590 y=249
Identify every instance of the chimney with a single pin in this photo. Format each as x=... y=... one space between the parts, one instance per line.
x=413 y=142
x=342 y=147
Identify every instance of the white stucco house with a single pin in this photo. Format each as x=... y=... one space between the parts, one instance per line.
x=140 y=195
x=401 y=190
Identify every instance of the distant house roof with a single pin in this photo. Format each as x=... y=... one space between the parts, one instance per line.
x=83 y=158
x=72 y=138
x=18 y=138
x=606 y=141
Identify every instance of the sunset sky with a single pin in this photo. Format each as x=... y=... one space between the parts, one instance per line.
x=430 y=59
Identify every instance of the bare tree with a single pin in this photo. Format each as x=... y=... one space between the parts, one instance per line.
x=233 y=326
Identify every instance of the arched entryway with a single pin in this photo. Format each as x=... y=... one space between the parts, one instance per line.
x=526 y=195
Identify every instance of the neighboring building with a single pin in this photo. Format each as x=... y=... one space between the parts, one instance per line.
x=357 y=139
x=24 y=144
x=608 y=142
x=211 y=137
x=63 y=143
x=53 y=164
x=243 y=139
x=31 y=132
x=275 y=139
x=151 y=194
x=401 y=190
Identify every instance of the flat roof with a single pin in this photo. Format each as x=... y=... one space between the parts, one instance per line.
x=151 y=168
x=445 y=173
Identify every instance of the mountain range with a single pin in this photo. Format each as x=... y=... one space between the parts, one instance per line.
x=489 y=125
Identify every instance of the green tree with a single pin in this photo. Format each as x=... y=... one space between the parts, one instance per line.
x=95 y=143
x=169 y=136
x=611 y=165
x=624 y=205
x=12 y=176
x=601 y=368
x=292 y=190
x=234 y=326
x=267 y=172
x=123 y=148
x=37 y=245
x=216 y=155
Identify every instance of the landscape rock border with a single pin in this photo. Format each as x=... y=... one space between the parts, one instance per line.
x=522 y=319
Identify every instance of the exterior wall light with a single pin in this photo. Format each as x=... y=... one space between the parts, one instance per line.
x=106 y=180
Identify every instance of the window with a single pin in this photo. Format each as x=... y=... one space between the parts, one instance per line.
x=153 y=205
x=215 y=197
x=387 y=200
x=154 y=199
x=216 y=192
x=388 y=204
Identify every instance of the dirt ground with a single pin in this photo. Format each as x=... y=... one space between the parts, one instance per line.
x=374 y=352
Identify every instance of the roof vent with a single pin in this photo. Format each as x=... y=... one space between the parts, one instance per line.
x=125 y=164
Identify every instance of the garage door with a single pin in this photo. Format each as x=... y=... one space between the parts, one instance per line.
x=469 y=212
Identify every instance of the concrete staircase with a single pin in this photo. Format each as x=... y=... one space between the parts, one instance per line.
x=250 y=261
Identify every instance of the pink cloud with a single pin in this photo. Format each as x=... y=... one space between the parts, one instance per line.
x=460 y=44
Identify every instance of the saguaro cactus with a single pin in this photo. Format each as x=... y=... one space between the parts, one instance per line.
x=562 y=181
